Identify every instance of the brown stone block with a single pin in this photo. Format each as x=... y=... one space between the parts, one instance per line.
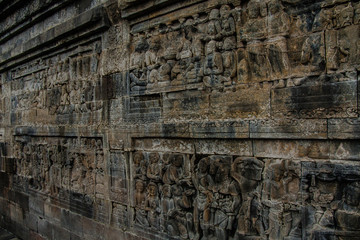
x=175 y=130
x=16 y=213
x=289 y=128
x=45 y=228
x=71 y=222
x=36 y=236
x=186 y=105
x=52 y=212
x=93 y=230
x=318 y=100
x=220 y=129
x=60 y=233
x=36 y=205
x=164 y=145
x=250 y=102
x=345 y=150
x=291 y=149
x=119 y=216
x=115 y=234
x=348 y=128
x=31 y=221
x=230 y=147
x=114 y=60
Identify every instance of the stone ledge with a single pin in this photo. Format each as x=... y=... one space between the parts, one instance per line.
x=86 y=24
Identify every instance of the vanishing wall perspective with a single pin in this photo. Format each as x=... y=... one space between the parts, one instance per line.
x=193 y=119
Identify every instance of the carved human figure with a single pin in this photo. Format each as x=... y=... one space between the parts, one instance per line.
x=229 y=60
x=152 y=205
x=138 y=80
x=248 y=173
x=227 y=21
x=55 y=172
x=202 y=202
x=278 y=20
x=154 y=168
x=78 y=173
x=140 y=197
x=213 y=65
x=174 y=172
x=254 y=25
x=180 y=221
x=214 y=26
x=164 y=71
x=227 y=199
x=137 y=58
x=344 y=15
x=167 y=205
x=140 y=166
x=185 y=51
x=312 y=53
x=151 y=58
x=280 y=188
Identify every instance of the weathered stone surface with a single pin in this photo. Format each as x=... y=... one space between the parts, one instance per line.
x=197 y=119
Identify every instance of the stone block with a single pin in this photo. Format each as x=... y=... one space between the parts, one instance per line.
x=345 y=150
x=16 y=214
x=348 y=128
x=322 y=100
x=119 y=216
x=186 y=105
x=219 y=129
x=36 y=205
x=93 y=230
x=250 y=102
x=230 y=147
x=165 y=145
x=31 y=221
x=60 y=233
x=290 y=149
x=72 y=222
x=45 y=228
x=52 y=212
x=289 y=128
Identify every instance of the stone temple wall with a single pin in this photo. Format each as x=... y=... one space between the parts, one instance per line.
x=167 y=119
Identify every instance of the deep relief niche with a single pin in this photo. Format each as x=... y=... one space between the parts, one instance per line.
x=216 y=196
x=189 y=51
x=57 y=166
x=57 y=86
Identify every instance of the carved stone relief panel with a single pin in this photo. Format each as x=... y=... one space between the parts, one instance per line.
x=55 y=86
x=70 y=169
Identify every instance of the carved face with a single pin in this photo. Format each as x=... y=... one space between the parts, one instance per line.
x=152 y=188
x=274 y=7
x=225 y=11
x=346 y=16
x=221 y=173
x=214 y=14
x=137 y=158
x=153 y=158
x=177 y=161
x=166 y=190
x=139 y=187
x=203 y=165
